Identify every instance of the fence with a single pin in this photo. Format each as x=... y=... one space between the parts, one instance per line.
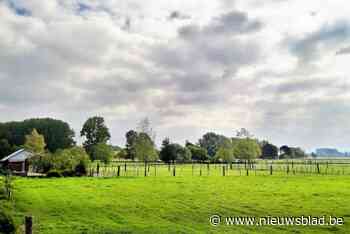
x=239 y=168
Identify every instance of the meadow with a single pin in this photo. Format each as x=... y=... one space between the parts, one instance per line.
x=181 y=204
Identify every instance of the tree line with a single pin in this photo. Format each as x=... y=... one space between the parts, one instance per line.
x=55 y=140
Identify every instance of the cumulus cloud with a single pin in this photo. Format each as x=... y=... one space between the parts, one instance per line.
x=213 y=66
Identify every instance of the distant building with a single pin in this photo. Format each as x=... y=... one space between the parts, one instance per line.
x=17 y=162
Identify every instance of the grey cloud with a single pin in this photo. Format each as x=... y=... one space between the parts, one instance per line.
x=342 y=51
x=229 y=24
x=310 y=47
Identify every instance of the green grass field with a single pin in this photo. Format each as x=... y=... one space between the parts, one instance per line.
x=180 y=204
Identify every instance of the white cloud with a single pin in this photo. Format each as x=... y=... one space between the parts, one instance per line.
x=222 y=65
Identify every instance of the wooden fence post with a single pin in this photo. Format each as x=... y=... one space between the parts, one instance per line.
x=28 y=225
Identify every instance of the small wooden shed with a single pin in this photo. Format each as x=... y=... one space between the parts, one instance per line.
x=17 y=162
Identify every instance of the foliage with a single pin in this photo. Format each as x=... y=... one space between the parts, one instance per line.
x=144 y=126
x=211 y=142
x=225 y=151
x=122 y=154
x=246 y=149
x=57 y=133
x=54 y=174
x=131 y=137
x=41 y=163
x=174 y=152
x=291 y=152
x=74 y=161
x=197 y=152
x=102 y=152
x=184 y=154
x=5 y=148
x=144 y=148
x=7 y=225
x=35 y=142
x=95 y=131
x=269 y=151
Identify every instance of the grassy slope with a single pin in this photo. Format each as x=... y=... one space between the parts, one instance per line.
x=179 y=204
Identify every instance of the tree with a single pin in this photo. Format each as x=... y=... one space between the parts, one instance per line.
x=131 y=137
x=247 y=149
x=144 y=126
x=35 y=142
x=211 y=142
x=243 y=133
x=57 y=133
x=174 y=152
x=122 y=154
x=95 y=131
x=144 y=148
x=5 y=148
x=167 y=153
x=198 y=153
x=184 y=154
x=225 y=151
x=269 y=151
x=285 y=149
x=102 y=152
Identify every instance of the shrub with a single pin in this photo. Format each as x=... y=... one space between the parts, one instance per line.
x=80 y=169
x=54 y=173
x=6 y=223
x=67 y=173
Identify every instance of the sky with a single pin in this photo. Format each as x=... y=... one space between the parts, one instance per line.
x=276 y=67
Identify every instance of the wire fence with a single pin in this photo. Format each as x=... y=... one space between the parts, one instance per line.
x=237 y=168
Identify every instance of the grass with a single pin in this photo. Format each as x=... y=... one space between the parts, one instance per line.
x=179 y=204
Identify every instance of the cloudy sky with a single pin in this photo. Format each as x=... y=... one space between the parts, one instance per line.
x=276 y=67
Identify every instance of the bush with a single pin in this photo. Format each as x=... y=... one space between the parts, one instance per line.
x=6 y=223
x=80 y=169
x=54 y=173
x=67 y=173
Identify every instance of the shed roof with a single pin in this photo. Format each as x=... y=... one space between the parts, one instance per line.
x=18 y=156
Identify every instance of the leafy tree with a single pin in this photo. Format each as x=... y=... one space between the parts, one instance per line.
x=95 y=131
x=73 y=161
x=225 y=151
x=131 y=137
x=35 y=142
x=57 y=133
x=286 y=150
x=5 y=148
x=269 y=151
x=184 y=154
x=144 y=148
x=174 y=152
x=211 y=142
x=168 y=151
x=197 y=152
x=102 y=152
x=122 y=154
x=246 y=149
